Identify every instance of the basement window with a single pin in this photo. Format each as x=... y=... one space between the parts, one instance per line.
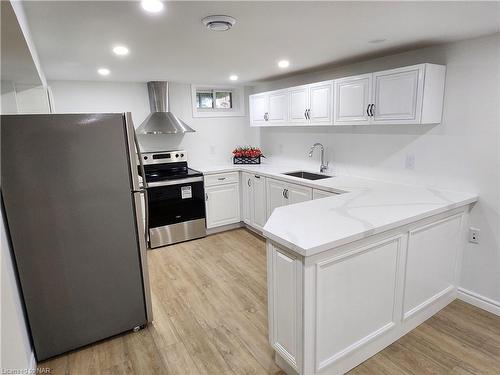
x=217 y=101
x=214 y=99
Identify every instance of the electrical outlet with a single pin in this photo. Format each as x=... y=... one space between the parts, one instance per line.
x=474 y=235
x=410 y=162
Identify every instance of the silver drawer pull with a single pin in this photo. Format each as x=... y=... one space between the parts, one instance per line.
x=221 y=178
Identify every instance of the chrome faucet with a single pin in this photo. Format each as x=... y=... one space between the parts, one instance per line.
x=323 y=168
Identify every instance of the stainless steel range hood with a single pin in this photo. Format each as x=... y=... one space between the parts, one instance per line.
x=161 y=120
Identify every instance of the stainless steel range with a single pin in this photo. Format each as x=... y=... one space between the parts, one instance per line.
x=175 y=198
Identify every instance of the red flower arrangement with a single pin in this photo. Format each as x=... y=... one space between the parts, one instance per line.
x=251 y=152
x=247 y=155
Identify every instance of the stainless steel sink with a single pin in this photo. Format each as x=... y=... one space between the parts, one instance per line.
x=307 y=175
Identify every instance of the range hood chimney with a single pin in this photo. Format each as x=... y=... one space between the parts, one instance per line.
x=161 y=120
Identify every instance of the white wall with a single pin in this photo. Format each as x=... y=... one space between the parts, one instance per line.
x=213 y=141
x=462 y=153
x=8 y=104
x=15 y=347
x=16 y=352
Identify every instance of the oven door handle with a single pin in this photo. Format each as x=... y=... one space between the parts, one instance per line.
x=180 y=181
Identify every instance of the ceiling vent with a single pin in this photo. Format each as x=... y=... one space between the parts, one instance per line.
x=218 y=23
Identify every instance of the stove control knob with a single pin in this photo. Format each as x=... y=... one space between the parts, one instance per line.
x=145 y=158
x=182 y=155
x=176 y=155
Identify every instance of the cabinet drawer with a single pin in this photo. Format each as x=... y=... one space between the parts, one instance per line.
x=222 y=178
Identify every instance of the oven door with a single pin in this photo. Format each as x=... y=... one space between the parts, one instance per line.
x=176 y=211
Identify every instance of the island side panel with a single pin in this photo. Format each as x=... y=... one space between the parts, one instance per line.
x=360 y=297
x=284 y=282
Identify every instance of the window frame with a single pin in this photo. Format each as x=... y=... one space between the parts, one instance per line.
x=237 y=101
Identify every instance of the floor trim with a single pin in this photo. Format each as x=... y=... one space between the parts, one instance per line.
x=480 y=301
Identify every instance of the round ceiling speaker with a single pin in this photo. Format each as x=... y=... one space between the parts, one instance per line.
x=218 y=23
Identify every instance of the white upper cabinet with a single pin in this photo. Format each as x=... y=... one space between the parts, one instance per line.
x=320 y=103
x=409 y=95
x=258 y=109
x=352 y=97
x=395 y=95
x=278 y=107
x=298 y=105
x=303 y=105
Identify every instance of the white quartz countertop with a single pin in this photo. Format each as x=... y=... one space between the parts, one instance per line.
x=365 y=208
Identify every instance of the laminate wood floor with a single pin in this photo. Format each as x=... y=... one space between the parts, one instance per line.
x=210 y=317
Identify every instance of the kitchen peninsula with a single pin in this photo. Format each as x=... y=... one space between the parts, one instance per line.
x=352 y=267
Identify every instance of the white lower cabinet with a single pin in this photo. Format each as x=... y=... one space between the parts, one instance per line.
x=318 y=194
x=222 y=204
x=330 y=311
x=254 y=200
x=280 y=193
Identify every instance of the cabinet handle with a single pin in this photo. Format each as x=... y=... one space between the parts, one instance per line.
x=368 y=110
x=305 y=114
x=206 y=196
x=283 y=193
x=266 y=116
x=221 y=178
x=309 y=114
x=371 y=109
x=286 y=193
x=257 y=176
x=248 y=182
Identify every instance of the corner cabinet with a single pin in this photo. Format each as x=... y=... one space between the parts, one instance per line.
x=409 y=95
x=280 y=193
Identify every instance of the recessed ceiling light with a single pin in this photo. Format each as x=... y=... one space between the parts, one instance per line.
x=375 y=41
x=283 y=63
x=120 y=50
x=152 y=6
x=103 y=71
x=219 y=23
x=233 y=77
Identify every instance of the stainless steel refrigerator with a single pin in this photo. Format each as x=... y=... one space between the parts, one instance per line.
x=72 y=202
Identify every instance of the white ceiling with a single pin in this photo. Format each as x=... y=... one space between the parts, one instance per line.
x=74 y=38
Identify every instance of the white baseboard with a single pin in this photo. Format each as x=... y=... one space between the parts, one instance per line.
x=480 y=301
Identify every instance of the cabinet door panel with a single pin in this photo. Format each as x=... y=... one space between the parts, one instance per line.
x=278 y=107
x=258 y=109
x=321 y=103
x=223 y=205
x=397 y=95
x=247 y=197
x=352 y=96
x=259 y=202
x=275 y=197
x=284 y=271
x=298 y=103
x=297 y=193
